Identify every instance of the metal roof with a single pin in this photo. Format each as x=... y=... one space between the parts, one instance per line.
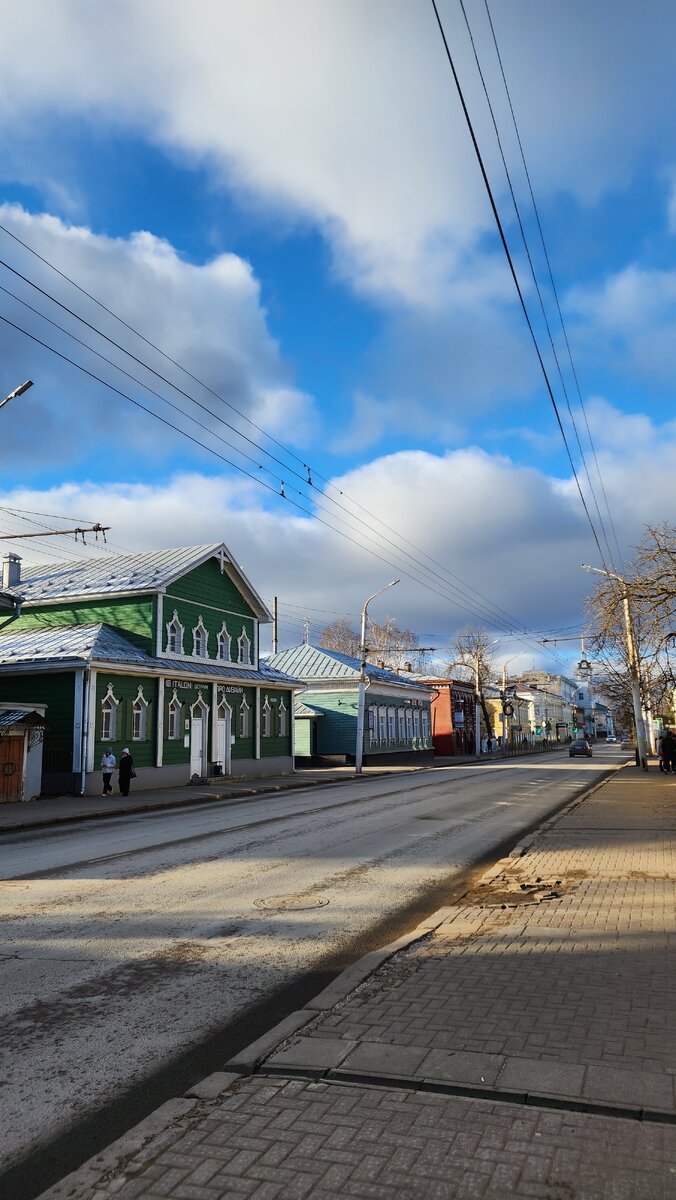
x=312 y=663
x=98 y=643
x=111 y=575
x=20 y=716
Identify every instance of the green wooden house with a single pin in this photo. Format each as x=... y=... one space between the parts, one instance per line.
x=156 y=651
x=397 y=724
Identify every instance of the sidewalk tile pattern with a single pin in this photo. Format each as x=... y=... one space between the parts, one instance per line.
x=295 y=1139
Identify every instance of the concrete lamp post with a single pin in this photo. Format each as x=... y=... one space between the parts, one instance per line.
x=361 y=702
x=17 y=392
x=632 y=656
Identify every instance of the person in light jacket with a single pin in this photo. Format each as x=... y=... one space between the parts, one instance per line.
x=108 y=764
x=127 y=771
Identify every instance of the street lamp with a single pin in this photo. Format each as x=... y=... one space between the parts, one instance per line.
x=505 y=726
x=359 y=748
x=17 y=392
x=633 y=663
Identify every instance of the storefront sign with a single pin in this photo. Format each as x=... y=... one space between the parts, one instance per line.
x=178 y=683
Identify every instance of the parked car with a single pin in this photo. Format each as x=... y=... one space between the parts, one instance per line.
x=611 y=738
x=580 y=747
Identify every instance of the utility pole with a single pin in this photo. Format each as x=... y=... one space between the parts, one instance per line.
x=79 y=532
x=274 y=624
x=634 y=666
x=361 y=699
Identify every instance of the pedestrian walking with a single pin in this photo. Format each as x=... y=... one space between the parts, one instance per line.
x=127 y=772
x=108 y=764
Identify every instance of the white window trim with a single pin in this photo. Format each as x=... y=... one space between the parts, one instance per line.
x=140 y=706
x=175 y=706
x=244 y=728
x=244 y=637
x=200 y=630
x=170 y=624
x=266 y=719
x=224 y=637
x=200 y=704
x=109 y=699
x=401 y=724
x=282 y=713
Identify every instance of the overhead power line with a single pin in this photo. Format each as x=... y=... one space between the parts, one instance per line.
x=488 y=611
x=491 y=613
x=515 y=278
x=536 y=282
x=551 y=277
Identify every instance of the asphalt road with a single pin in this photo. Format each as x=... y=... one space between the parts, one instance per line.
x=137 y=954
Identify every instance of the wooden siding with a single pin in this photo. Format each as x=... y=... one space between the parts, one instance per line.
x=175 y=752
x=337 y=729
x=276 y=745
x=133 y=617
x=57 y=691
x=125 y=689
x=210 y=593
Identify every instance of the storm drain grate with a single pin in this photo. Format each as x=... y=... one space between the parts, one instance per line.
x=291 y=903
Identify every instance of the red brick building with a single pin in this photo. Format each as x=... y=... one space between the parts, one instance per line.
x=452 y=716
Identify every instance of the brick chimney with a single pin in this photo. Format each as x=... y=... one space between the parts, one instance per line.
x=11 y=571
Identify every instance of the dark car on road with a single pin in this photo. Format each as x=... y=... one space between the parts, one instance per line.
x=580 y=747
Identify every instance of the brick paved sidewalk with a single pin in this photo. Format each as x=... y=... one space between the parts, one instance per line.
x=524 y=1046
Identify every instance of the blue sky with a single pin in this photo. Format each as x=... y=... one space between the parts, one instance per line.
x=317 y=247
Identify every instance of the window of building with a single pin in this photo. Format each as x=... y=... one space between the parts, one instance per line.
x=282 y=715
x=174 y=724
x=391 y=725
x=244 y=725
x=401 y=724
x=200 y=640
x=373 y=724
x=416 y=722
x=266 y=719
x=109 y=716
x=244 y=648
x=382 y=724
x=224 y=641
x=409 y=724
x=425 y=723
x=174 y=635
x=139 y=717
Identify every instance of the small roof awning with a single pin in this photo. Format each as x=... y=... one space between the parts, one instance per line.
x=20 y=717
x=306 y=710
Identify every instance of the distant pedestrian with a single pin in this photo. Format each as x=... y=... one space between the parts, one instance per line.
x=127 y=772
x=108 y=764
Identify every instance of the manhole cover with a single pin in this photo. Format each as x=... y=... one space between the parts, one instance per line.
x=291 y=903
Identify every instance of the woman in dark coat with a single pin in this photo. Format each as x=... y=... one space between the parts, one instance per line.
x=126 y=771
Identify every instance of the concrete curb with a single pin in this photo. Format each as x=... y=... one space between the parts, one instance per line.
x=146 y=1137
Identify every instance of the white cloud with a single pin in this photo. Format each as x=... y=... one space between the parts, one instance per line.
x=630 y=321
x=343 y=113
x=208 y=317
x=513 y=533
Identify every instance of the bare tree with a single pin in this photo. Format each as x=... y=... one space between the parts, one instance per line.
x=340 y=635
x=650 y=585
x=474 y=657
x=386 y=642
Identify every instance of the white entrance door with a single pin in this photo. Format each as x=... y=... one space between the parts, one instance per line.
x=198 y=741
x=223 y=729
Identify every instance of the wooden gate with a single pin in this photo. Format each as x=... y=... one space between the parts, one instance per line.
x=11 y=769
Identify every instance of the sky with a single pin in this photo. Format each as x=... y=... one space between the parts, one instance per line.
x=283 y=246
